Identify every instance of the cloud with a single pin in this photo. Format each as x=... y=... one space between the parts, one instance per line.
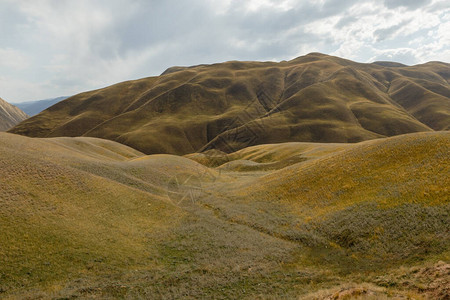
x=345 y=21
x=406 y=55
x=13 y=59
x=410 y=4
x=60 y=47
x=386 y=33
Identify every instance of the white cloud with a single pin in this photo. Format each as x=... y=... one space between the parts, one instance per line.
x=256 y=5
x=443 y=33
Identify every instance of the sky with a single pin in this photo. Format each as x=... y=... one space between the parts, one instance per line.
x=51 y=48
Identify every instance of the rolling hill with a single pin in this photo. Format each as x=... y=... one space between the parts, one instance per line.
x=10 y=115
x=233 y=105
x=357 y=199
x=84 y=217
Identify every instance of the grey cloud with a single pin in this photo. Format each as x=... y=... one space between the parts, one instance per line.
x=386 y=33
x=344 y=21
x=410 y=4
x=204 y=33
x=441 y=6
x=334 y=7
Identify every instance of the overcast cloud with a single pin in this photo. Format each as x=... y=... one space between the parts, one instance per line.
x=50 y=48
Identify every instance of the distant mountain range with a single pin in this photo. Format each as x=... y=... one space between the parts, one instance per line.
x=232 y=105
x=10 y=115
x=32 y=108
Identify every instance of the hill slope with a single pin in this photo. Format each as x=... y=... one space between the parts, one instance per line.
x=233 y=105
x=32 y=108
x=90 y=218
x=356 y=200
x=72 y=206
x=10 y=115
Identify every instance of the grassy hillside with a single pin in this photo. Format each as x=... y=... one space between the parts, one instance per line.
x=91 y=218
x=59 y=221
x=381 y=202
x=10 y=115
x=234 y=105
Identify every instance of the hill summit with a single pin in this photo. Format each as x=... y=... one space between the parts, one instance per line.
x=232 y=105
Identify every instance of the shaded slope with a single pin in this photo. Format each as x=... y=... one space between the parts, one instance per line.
x=10 y=115
x=233 y=105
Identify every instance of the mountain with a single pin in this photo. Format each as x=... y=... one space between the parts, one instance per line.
x=233 y=105
x=90 y=218
x=10 y=115
x=32 y=108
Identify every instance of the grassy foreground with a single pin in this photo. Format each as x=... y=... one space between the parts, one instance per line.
x=90 y=218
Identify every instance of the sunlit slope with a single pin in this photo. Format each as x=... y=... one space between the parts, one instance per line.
x=378 y=202
x=234 y=105
x=408 y=167
x=266 y=157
